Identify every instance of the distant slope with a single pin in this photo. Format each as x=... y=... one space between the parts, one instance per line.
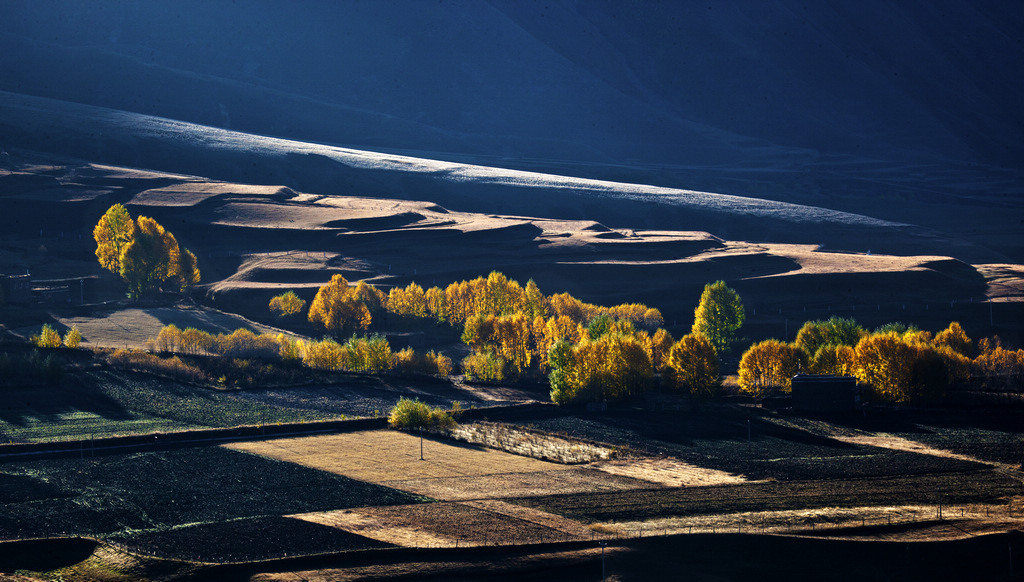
x=128 y=139
x=904 y=111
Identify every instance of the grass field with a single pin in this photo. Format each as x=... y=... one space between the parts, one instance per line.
x=392 y=456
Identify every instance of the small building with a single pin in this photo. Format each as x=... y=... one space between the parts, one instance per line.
x=825 y=393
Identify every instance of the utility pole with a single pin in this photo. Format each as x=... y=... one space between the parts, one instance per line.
x=421 y=443
x=603 y=545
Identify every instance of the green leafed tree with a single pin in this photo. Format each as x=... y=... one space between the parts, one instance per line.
x=835 y=331
x=287 y=304
x=719 y=315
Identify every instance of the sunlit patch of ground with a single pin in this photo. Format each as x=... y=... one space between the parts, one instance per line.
x=902 y=522
x=1005 y=281
x=885 y=441
x=193 y=193
x=131 y=328
x=667 y=471
x=386 y=456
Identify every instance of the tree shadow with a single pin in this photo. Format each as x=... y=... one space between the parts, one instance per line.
x=52 y=404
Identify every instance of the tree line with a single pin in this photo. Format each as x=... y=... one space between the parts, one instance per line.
x=899 y=363
x=371 y=354
x=586 y=351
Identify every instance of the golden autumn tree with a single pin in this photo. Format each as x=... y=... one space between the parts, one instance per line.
x=336 y=309
x=287 y=304
x=614 y=365
x=512 y=340
x=885 y=362
x=142 y=252
x=837 y=360
x=661 y=345
x=536 y=304
x=112 y=233
x=410 y=301
x=768 y=364
x=188 y=270
x=694 y=365
x=956 y=339
x=718 y=315
x=152 y=257
x=434 y=299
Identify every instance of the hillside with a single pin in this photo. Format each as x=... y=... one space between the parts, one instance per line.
x=904 y=112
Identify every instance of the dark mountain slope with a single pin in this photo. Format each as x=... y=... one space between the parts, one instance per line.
x=904 y=111
x=666 y=82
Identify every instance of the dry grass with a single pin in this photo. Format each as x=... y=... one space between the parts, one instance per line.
x=193 y=193
x=574 y=481
x=441 y=524
x=668 y=472
x=389 y=456
x=885 y=441
x=130 y=328
x=962 y=521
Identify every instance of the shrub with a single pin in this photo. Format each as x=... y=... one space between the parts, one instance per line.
x=408 y=414
x=287 y=304
x=141 y=361
x=47 y=338
x=484 y=366
x=72 y=338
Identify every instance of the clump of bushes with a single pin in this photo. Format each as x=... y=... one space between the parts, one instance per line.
x=140 y=361
x=431 y=363
x=408 y=414
x=49 y=338
x=485 y=366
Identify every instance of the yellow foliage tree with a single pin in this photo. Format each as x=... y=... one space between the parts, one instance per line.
x=73 y=338
x=336 y=309
x=410 y=301
x=613 y=365
x=885 y=362
x=837 y=360
x=370 y=296
x=512 y=340
x=112 y=233
x=694 y=365
x=188 y=270
x=323 y=355
x=434 y=298
x=47 y=338
x=661 y=344
x=957 y=340
x=153 y=256
x=768 y=364
x=536 y=304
